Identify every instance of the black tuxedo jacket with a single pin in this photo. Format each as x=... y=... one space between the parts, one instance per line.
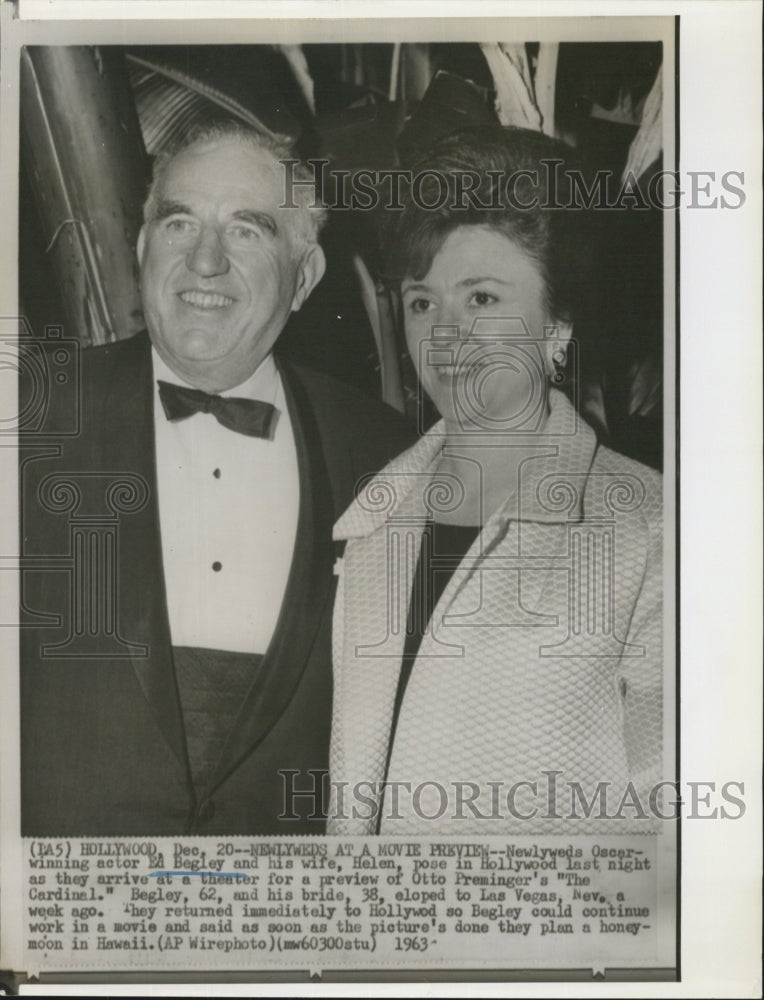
x=103 y=748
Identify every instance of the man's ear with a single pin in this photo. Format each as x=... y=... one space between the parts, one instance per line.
x=309 y=272
x=558 y=336
x=140 y=244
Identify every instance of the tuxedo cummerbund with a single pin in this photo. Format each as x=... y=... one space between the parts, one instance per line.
x=212 y=684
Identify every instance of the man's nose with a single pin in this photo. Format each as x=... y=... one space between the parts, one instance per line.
x=208 y=257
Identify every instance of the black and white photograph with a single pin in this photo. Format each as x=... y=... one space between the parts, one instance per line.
x=346 y=595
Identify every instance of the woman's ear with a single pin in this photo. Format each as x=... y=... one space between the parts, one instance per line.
x=309 y=272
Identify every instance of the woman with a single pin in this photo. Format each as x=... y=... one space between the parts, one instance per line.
x=498 y=620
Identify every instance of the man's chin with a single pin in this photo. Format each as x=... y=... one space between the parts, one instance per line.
x=199 y=350
x=203 y=343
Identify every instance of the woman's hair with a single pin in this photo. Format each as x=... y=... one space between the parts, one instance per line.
x=513 y=181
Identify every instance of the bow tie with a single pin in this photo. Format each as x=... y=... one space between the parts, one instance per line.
x=245 y=416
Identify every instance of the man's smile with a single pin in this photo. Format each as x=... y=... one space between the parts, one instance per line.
x=205 y=300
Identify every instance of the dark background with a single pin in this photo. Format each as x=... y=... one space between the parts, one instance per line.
x=99 y=115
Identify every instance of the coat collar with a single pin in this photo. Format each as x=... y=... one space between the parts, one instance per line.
x=547 y=488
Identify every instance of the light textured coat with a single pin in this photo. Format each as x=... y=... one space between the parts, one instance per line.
x=543 y=655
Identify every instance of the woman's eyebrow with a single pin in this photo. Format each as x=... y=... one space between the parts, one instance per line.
x=468 y=282
x=464 y=283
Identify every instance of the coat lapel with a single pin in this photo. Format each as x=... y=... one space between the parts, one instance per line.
x=369 y=634
x=526 y=528
x=370 y=620
x=127 y=441
x=306 y=595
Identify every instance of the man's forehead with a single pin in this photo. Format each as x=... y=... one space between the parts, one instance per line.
x=224 y=168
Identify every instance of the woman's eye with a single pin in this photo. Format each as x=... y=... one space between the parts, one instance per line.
x=420 y=305
x=482 y=299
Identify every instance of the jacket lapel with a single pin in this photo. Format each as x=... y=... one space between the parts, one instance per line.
x=127 y=440
x=306 y=596
x=526 y=527
x=370 y=620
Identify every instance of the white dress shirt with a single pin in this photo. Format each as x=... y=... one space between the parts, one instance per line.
x=228 y=507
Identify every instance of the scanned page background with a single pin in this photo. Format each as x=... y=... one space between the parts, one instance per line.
x=720 y=322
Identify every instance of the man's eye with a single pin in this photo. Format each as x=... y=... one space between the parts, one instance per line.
x=244 y=234
x=178 y=226
x=482 y=299
x=420 y=305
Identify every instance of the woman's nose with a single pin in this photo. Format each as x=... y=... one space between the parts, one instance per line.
x=450 y=326
x=443 y=317
x=208 y=257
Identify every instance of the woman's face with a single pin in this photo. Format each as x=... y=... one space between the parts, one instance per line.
x=480 y=334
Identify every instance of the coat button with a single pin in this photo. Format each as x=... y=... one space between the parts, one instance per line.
x=206 y=811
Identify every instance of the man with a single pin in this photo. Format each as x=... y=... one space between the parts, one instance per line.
x=176 y=676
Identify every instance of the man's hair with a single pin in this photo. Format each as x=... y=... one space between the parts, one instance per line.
x=309 y=216
x=553 y=237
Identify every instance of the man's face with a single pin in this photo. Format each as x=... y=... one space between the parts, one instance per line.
x=221 y=265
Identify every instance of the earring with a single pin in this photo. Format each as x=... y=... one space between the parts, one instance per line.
x=558 y=360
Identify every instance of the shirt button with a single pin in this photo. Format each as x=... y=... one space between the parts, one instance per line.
x=216 y=473
x=217 y=566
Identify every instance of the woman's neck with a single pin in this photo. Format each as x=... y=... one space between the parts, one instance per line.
x=477 y=478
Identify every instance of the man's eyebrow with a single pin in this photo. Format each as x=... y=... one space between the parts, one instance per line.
x=167 y=208
x=261 y=219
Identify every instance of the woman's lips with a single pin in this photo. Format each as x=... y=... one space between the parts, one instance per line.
x=205 y=300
